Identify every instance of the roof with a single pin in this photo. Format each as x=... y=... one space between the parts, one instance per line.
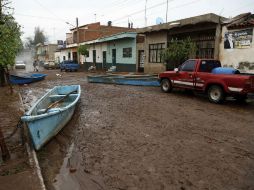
x=213 y=18
x=118 y=36
x=240 y=21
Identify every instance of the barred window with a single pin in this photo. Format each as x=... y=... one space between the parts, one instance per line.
x=127 y=52
x=155 y=52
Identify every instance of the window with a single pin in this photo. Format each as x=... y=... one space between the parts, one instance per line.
x=155 y=52
x=208 y=65
x=188 y=65
x=127 y=52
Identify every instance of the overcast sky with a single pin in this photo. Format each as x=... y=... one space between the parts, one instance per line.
x=52 y=15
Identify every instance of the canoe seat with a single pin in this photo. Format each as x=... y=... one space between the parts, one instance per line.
x=41 y=111
x=62 y=95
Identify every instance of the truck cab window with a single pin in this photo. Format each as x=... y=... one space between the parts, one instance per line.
x=188 y=66
x=208 y=65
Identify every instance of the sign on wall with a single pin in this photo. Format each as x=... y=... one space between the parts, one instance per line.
x=238 y=39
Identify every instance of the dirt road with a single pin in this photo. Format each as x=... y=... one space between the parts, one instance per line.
x=127 y=137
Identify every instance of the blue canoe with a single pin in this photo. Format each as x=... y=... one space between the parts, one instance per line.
x=136 y=80
x=51 y=113
x=26 y=78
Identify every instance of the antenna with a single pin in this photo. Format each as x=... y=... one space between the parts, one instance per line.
x=167 y=12
x=145 y=14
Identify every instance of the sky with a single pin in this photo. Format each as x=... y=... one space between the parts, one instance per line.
x=52 y=16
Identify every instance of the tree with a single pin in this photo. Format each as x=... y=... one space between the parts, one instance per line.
x=10 y=42
x=39 y=36
x=83 y=50
x=179 y=51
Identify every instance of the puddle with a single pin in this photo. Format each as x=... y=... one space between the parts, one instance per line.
x=72 y=176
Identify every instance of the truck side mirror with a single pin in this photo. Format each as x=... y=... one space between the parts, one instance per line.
x=176 y=70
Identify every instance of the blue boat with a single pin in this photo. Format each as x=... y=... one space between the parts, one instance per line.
x=51 y=113
x=26 y=78
x=136 y=80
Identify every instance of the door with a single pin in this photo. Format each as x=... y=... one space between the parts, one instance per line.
x=114 y=57
x=186 y=76
x=141 y=60
x=74 y=56
x=94 y=56
x=104 y=59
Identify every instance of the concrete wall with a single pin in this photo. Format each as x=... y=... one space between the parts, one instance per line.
x=125 y=64
x=154 y=38
x=60 y=55
x=232 y=57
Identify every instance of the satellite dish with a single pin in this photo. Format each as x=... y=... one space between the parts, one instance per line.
x=159 y=20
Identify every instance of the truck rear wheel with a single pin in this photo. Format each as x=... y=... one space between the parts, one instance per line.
x=166 y=85
x=216 y=94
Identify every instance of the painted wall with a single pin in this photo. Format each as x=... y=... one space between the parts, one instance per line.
x=154 y=38
x=234 y=57
x=119 y=45
x=127 y=64
x=60 y=55
x=99 y=47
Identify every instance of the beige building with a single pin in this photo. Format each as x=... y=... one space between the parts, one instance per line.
x=204 y=30
x=45 y=52
x=237 y=43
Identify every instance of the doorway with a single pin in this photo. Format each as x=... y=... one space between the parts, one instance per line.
x=141 y=60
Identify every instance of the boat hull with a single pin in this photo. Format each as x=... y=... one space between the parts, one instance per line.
x=125 y=80
x=43 y=123
x=26 y=79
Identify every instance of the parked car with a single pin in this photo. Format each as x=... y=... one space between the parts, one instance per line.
x=51 y=65
x=20 y=65
x=207 y=75
x=69 y=66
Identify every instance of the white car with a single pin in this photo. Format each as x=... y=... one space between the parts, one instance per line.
x=20 y=65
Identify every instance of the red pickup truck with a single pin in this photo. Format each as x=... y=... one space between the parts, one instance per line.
x=198 y=75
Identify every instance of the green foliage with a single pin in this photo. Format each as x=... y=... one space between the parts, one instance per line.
x=179 y=50
x=39 y=36
x=10 y=41
x=83 y=50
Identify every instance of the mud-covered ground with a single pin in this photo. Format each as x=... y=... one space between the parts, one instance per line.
x=128 y=137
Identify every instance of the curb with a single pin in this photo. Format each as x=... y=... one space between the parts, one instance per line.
x=32 y=156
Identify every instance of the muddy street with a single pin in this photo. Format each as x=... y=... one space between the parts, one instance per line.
x=129 y=137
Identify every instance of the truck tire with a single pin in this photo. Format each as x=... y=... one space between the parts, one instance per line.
x=166 y=85
x=216 y=94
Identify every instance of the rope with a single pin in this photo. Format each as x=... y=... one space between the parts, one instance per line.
x=19 y=125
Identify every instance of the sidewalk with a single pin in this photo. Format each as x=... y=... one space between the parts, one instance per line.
x=21 y=170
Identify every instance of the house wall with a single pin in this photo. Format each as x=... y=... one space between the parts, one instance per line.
x=123 y=64
x=88 y=61
x=59 y=55
x=154 y=38
x=237 y=57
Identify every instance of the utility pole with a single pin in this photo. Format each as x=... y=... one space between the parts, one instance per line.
x=0 y=9
x=145 y=15
x=167 y=13
x=77 y=39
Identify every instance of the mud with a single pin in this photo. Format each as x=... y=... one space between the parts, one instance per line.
x=127 y=137
x=16 y=172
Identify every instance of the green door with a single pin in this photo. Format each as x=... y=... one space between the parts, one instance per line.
x=114 y=57
x=94 y=56
x=104 y=59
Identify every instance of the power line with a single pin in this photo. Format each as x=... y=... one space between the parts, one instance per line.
x=40 y=17
x=51 y=12
x=154 y=6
